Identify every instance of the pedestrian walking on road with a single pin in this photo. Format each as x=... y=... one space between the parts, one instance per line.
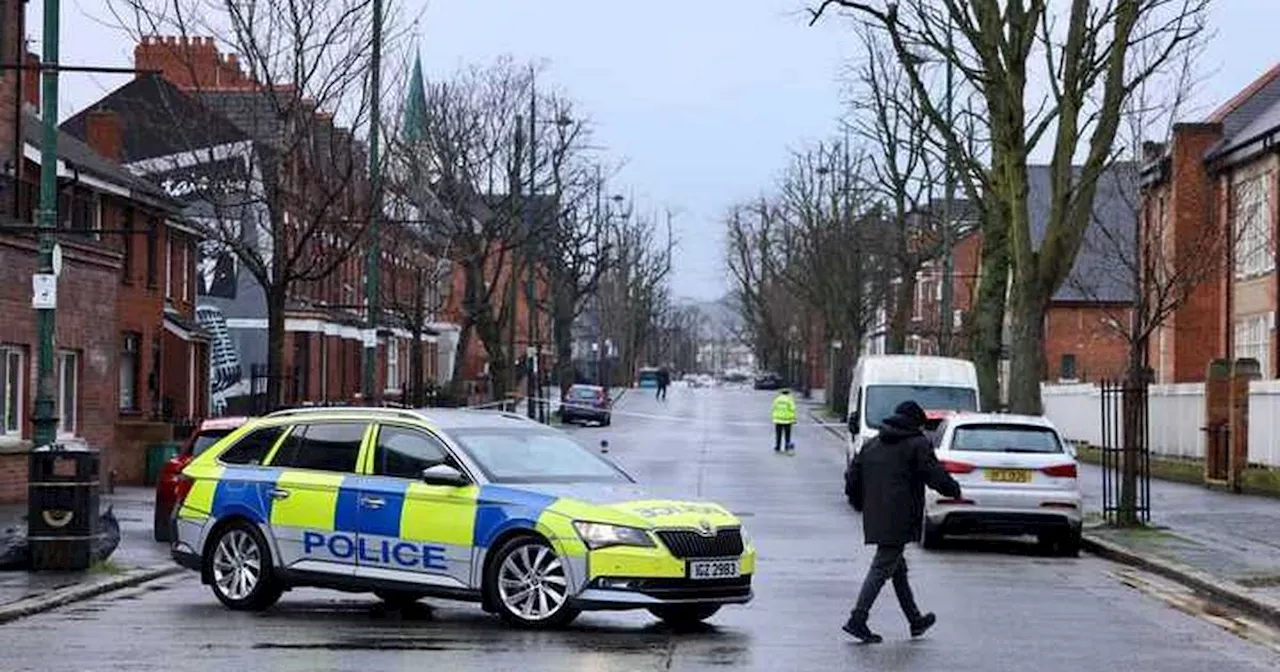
x=887 y=480
x=664 y=381
x=784 y=416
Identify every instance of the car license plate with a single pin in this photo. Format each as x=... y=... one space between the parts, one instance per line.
x=1008 y=475
x=714 y=569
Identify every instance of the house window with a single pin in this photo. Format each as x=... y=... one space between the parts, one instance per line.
x=152 y=232
x=186 y=272
x=126 y=267
x=1253 y=338
x=129 y=361
x=68 y=392
x=1067 y=370
x=917 y=307
x=168 y=267
x=11 y=378
x=1252 y=227
x=393 y=365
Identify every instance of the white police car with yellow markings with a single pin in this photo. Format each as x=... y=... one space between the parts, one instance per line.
x=481 y=506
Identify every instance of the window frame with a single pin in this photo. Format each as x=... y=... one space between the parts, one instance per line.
x=393 y=366
x=9 y=353
x=68 y=429
x=299 y=431
x=1251 y=227
x=370 y=464
x=125 y=337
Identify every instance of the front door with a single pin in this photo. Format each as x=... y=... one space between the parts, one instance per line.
x=314 y=526
x=409 y=530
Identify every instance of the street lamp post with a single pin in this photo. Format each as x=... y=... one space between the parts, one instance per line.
x=44 y=283
x=373 y=257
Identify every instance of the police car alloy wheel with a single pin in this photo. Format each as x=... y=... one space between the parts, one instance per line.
x=528 y=584
x=240 y=569
x=685 y=615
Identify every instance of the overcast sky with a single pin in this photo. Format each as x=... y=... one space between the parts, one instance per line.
x=701 y=98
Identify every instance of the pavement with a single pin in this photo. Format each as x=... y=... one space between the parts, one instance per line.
x=1001 y=606
x=137 y=552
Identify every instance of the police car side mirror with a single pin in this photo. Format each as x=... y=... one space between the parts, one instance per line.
x=443 y=474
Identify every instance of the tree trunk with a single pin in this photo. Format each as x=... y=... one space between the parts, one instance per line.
x=1026 y=366
x=986 y=321
x=903 y=307
x=275 y=296
x=1132 y=414
x=562 y=334
x=842 y=373
x=460 y=360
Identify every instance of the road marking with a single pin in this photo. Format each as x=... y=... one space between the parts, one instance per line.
x=1193 y=604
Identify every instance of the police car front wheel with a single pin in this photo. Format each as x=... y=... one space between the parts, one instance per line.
x=240 y=570
x=528 y=584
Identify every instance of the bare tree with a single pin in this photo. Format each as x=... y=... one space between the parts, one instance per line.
x=294 y=207
x=1086 y=68
x=763 y=301
x=473 y=154
x=634 y=289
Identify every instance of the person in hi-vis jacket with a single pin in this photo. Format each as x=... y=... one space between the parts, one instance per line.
x=784 y=416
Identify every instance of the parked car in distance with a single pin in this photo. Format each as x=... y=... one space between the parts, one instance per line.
x=208 y=433
x=1017 y=477
x=769 y=381
x=586 y=403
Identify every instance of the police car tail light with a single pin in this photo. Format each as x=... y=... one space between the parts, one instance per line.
x=181 y=487
x=954 y=467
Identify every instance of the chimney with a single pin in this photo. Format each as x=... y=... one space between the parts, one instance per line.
x=31 y=83
x=102 y=131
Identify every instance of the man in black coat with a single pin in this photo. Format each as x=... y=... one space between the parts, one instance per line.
x=887 y=481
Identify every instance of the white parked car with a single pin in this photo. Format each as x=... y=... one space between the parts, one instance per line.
x=1017 y=476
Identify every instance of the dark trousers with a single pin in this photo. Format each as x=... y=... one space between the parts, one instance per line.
x=781 y=436
x=888 y=563
x=662 y=392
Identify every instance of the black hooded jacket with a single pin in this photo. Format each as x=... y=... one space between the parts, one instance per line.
x=887 y=479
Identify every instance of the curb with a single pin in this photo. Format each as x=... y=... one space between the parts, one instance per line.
x=1223 y=591
x=63 y=596
x=826 y=425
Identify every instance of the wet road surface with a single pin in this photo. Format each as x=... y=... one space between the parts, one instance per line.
x=1000 y=605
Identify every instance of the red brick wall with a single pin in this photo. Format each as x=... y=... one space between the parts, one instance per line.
x=13 y=474
x=89 y=284
x=1198 y=331
x=190 y=62
x=11 y=25
x=1082 y=330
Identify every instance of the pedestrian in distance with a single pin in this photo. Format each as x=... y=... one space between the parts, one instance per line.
x=784 y=416
x=664 y=380
x=887 y=480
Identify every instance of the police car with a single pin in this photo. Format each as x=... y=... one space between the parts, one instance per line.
x=481 y=506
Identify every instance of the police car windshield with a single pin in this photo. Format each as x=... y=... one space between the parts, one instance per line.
x=515 y=456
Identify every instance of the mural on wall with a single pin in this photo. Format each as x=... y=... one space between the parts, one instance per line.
x=216 y=271
x=226 y=378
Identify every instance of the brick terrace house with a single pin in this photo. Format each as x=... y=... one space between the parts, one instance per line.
x=129 y=357
x=1083 y=333
x=1213 y=189
x=202 y=118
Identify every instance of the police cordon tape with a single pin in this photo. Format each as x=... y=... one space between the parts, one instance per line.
x=655 y=416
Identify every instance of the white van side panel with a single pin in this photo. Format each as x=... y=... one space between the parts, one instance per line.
x=902 y=370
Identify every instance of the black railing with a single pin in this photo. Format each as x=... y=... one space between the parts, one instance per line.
x=1126 y=453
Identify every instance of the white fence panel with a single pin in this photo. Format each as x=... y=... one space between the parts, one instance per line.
x=1175 y=418
x=1264 y=422
x=1076 y=410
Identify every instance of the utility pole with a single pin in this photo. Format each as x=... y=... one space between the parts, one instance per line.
x=44 y=283
x=373 y=257
x=532 y=331
x=947 y=318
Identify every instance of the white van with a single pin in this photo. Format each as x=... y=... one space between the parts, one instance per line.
x=941 y=385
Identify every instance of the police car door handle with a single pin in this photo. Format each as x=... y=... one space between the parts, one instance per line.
x=373 y=502
x=277 y=493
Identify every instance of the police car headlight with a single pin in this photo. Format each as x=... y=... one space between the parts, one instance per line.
x=601 y=535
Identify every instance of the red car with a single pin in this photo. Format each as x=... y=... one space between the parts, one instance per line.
x=209 y=432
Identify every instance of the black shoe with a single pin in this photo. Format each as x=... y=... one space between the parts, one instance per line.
x=922 y=625
x=858 y=628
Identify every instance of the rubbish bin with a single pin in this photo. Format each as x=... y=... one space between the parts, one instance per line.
x=157 y=455
x=62 y=507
